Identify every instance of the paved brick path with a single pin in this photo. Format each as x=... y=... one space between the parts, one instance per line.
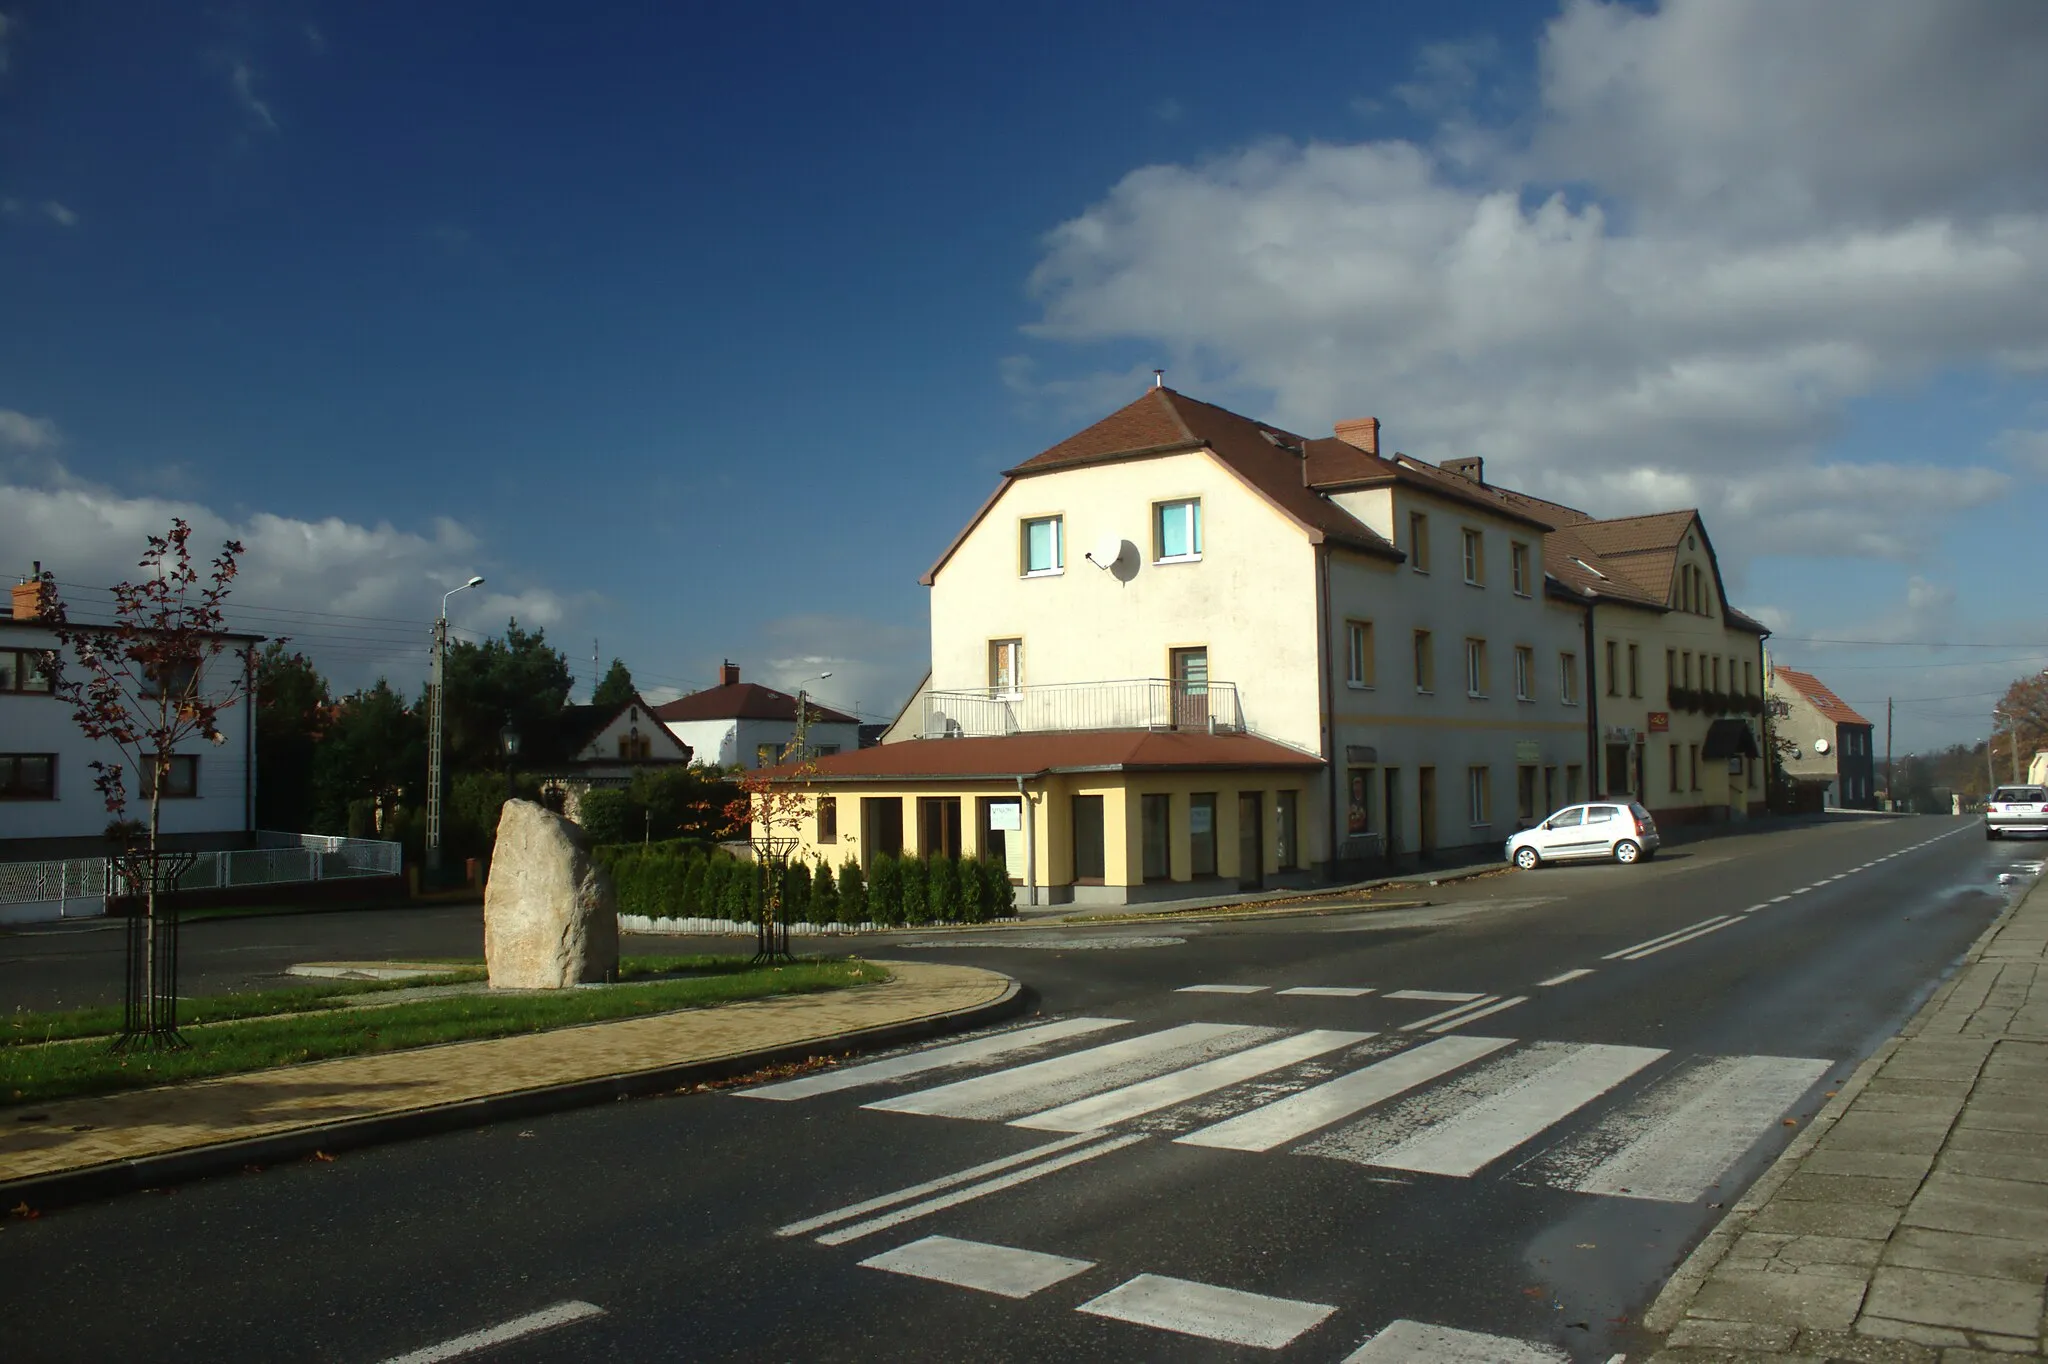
x=78 y=1134
x=1910 y=1222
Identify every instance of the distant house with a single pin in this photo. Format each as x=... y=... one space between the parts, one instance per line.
x=49 y=807
x=600 y=746
x=744 y=724
x=1831 y=744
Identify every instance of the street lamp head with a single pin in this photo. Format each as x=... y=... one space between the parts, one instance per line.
x=477 y=581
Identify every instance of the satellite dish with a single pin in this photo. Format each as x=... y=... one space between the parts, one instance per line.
x=1820 y=745
x=1107 y=551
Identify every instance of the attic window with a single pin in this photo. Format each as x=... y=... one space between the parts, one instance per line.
x=1276 y=438
x=1589 y=568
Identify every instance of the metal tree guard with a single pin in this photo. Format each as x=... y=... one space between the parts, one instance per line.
x=771 y=922
x=149 y=998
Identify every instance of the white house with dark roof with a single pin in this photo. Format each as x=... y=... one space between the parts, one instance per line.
x=744 y=724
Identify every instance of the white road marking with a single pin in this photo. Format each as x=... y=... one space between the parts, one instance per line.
x=1149 y=1096
x=1467 y=1141
x=1779 y=899
x=1219 y=989
x=936 y=1058
x=1679 y=942
x=1801 y=891
x=1329 y=991
x=974 y=1191
x=1478 y=1014
x=1040 y=1085
x=1664 y=937
x=1199 y=1309
x=972 y=1172
x=1677 y=1141
x=1415 y=1342
x=1297 y=1115
x=1754 y=908
x=1419 y=1024
x=1579 y=974
x=533 y=1323
x=1434 y=996
x=1840 y=877
x=1003 y=1270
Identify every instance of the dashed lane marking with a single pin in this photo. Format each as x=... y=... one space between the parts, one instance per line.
x=1577 y=974
x=1665 y=937
x=532 y=1324
x=1329 y=991
x=1004 y=1271
x=1198 y=1309
x=1436 y=996
x=1681 y=941
x=1219 y=989
x=1476 y=1014
x=1448 y=1014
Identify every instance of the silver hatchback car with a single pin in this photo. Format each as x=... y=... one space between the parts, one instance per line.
x=2016 y=810
x=1599 y=830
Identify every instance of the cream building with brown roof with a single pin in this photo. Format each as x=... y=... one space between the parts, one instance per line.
x=1356 y=657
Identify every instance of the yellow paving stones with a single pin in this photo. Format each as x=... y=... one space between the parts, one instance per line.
x=77 y=1134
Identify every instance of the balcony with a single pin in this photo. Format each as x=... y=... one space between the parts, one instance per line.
x=1137 y=703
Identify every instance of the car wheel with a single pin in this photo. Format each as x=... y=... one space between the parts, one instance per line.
x=1526 y=858
x=1626 y=852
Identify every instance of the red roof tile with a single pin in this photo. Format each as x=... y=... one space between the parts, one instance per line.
x=1031 y=755
x=747 y=701
x=1813 y=689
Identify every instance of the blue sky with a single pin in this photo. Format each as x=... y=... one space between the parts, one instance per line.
x=701 y=330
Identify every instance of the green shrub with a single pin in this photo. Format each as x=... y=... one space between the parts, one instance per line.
x=1002 y=892
x=853 y=894
x=796 y=893
x=917 y=891
x=975 y=892
x=605 y=815
x=824 y=895
x=690 y=900
x=944 y=890
x=885 y=889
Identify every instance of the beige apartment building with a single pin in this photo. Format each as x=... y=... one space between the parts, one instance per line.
x=1184 y=650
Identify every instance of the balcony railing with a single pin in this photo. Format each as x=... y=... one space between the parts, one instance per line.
x=1136 y=703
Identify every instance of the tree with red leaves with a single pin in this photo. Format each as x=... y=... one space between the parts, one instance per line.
x=146 y=684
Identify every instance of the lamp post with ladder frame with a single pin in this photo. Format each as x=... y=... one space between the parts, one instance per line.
x=436 y=723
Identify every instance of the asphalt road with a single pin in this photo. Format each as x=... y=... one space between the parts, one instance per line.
x=1580 y=1131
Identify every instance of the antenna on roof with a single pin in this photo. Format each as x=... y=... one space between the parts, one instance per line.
x=1159 y=378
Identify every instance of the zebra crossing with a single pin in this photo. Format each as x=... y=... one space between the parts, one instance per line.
x=1617 y=1121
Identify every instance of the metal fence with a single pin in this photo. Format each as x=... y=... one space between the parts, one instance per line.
x=81 y=885
x=1136 y=703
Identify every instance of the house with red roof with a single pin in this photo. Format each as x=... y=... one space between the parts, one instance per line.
x=1826 y=743
x=744 y=724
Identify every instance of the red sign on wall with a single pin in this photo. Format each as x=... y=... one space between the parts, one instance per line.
x=1660 y=722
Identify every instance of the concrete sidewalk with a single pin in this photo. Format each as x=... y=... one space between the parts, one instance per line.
x=83 y=1148
x=1909 y=1222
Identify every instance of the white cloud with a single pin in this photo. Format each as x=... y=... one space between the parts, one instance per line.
x=59 y=214
x=1770 y=214
x=2025 y=449
x=874 y=665
x=359 y=599
x=242 y=79
x=20 y=431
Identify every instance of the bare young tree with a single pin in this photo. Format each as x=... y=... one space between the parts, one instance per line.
x=148 y=683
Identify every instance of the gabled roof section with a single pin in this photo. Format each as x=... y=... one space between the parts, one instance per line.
x=1265 y=458
x=1644 y=549
x=747 y=701
x=577 y=726
x=1336 y=464
x=1576 y=565
x=1830 y=706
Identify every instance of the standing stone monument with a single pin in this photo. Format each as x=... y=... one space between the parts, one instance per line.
x=550 y=919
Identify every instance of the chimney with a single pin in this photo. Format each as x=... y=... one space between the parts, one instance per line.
x=728 y=674
x=1471 y=466
x=27 y=597
x=1363 y=432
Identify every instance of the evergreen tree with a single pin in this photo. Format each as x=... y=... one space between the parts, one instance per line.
x=853 y=893
x=616 y=689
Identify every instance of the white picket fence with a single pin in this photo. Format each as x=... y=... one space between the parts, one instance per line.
x=78 y=887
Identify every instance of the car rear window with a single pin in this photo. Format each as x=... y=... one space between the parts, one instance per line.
x=1641 y=814
x=2022 y=794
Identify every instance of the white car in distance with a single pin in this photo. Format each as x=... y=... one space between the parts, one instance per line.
x=1606 y=831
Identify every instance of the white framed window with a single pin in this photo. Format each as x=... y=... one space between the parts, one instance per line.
x=1360 y=668
x=1518 y=569
x=1005 y=665
x=1479 y=795
x=1043 y=546
x=1177 y=530
x=1475 y=667
x=1474 y=557
x=1568 y=679
x=1525 y=673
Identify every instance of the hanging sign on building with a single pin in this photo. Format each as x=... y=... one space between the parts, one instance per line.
x=1660 y=722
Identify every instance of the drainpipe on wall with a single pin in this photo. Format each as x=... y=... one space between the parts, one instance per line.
x=1030 y=844
x=1326 y=693
x=1595 y=778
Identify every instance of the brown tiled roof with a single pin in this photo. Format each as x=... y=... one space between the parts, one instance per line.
x=1644 y=549
x=1741 y=620
x=747 y=701
x=1165 y=422
x=1337 y=464
x=1032 y=755
x=1578 y=566
x=1813 y=689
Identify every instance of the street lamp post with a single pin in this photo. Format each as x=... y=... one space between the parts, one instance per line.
x=803 y=715
x=435 y=723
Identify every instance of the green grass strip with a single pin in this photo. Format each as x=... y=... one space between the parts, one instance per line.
x=26 y=1029
x=70 y=1069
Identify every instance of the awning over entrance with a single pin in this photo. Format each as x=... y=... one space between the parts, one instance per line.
x=1730 y=739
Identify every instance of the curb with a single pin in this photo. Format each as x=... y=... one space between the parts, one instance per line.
x=114 y=1178
x=1667 y=1309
